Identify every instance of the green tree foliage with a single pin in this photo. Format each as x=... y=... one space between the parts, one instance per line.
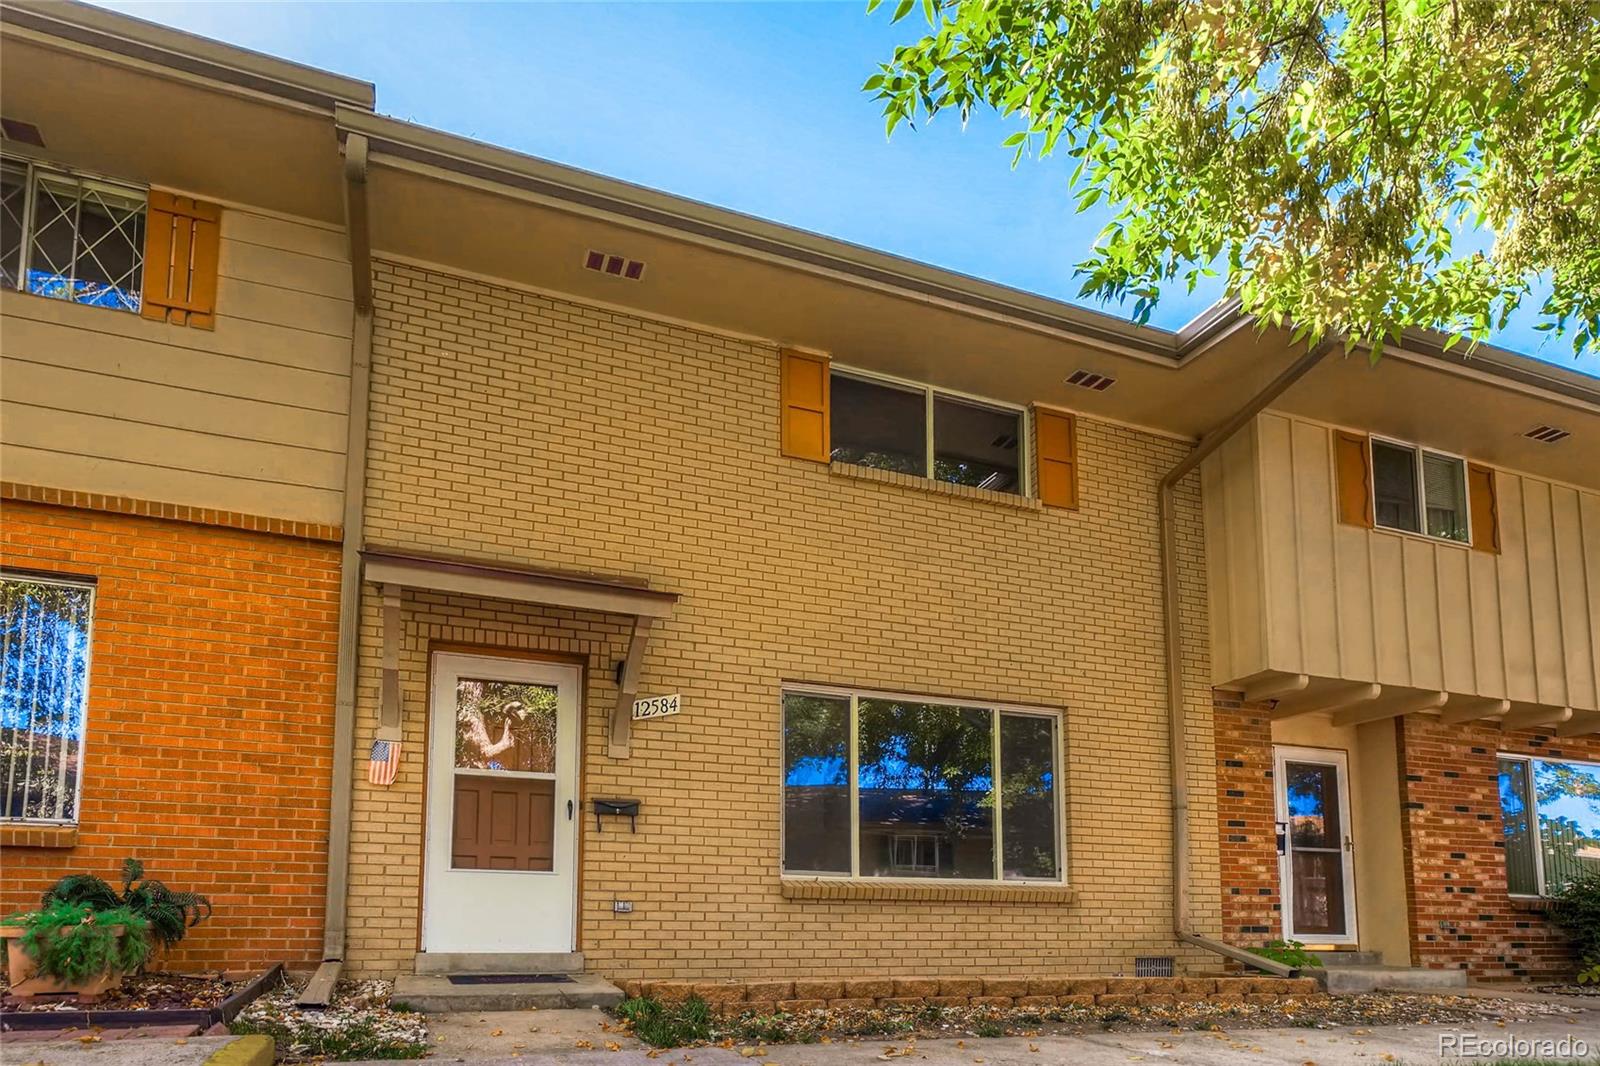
x=1325 y=154
x=168 y=914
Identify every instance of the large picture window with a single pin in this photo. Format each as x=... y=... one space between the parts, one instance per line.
x=885 y=786
x=1550 y=814
x=44 y=686
x=914 y=429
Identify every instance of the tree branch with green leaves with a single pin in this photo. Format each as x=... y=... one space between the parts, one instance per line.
x=1328 y=157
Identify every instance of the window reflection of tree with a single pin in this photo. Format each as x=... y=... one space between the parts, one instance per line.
x=501 y=725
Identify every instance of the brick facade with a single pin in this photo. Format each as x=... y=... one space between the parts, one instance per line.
x=208 y=746
x=1252 y=908
x=517 y=426
x=1461 y=915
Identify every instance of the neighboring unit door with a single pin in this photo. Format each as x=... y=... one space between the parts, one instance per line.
x=501 y=874
x=1315 y=865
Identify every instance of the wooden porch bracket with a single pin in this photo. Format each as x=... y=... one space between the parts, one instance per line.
x=1269 y=688
x=1534 y=717
x=1332 y=697
x=1463 y=709
x=628 y=688
x=1392 y=706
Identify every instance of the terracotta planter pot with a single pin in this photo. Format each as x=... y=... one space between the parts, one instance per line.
x=27 y=982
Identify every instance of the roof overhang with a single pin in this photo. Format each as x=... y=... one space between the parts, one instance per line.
x=210 y=120
x=504 y=581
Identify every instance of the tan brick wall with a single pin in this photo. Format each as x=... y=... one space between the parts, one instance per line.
x=208 y=750
x=516 y=426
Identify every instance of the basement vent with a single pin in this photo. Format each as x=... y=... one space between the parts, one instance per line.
x=615 y=265
x=23 y=132
x=1547 y=434
x=1153 y=966
x=1087 y=379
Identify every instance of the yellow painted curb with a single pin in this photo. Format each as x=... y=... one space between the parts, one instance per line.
x=245 y=1051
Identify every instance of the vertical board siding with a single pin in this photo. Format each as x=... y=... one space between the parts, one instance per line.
x=249 y=417
x=1338 y=601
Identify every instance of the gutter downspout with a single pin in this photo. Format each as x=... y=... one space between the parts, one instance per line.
x=1177 y=746
x=320 y=987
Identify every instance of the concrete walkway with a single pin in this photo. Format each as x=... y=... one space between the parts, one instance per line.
x=143 y=1051
x=548 y=1038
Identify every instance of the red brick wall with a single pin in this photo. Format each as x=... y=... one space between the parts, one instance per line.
x=1461 y=915
x=208 y=752
x=1251 y=908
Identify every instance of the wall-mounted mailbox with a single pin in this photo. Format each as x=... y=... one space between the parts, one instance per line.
x=621 y=808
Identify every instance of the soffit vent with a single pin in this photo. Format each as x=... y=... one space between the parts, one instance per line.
x=1005 y=442
x=615 y=265
x=15 y=129
x=1153 y=966
x=1547 y=434
x=1088 y=379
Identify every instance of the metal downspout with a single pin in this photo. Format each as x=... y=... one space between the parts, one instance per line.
x=1171 y=611
x=355 y=484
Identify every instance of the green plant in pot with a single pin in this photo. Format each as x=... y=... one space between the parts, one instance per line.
x=169 y=914
x=73 y=948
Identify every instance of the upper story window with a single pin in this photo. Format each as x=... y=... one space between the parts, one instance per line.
x=1419 y=491
x=916 y=429
x=877 y=785
x=44 y=690
x=1550 y=815
x=71 y=237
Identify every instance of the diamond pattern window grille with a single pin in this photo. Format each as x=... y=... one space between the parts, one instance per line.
x=71 y=237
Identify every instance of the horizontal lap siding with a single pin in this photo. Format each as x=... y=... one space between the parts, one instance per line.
x=530 y=429
x=208 y=747
x=250 y=417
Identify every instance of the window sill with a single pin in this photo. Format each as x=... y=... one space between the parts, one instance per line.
x=1426 y=538
x=938 y=488
x=903 y=892
x=17 y=835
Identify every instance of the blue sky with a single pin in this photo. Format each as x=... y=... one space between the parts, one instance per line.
x=752 y=106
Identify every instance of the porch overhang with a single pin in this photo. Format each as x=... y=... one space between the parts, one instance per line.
x=393 y=569
x=1349 y=703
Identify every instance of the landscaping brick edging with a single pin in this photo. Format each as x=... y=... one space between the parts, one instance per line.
x=767 y=997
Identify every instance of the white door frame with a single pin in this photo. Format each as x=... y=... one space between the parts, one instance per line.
x=497 y=888
x=1281 y=755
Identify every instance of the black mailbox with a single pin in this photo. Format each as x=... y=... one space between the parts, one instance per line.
x=622 y=808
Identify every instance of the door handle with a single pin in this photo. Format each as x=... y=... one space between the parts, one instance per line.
x=569 y=810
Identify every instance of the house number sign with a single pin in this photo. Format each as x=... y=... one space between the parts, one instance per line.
x=656 y=707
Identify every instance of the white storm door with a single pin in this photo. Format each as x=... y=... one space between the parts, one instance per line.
x=1315 y=864
x=501 y=866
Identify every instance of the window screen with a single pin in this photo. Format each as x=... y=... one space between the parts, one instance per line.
x=879 y=425
x=44 y=686
x=1394 y=480
x=1444 y=489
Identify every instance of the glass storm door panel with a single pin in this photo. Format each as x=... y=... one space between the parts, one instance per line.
x=502 y=800
x=1315 y=857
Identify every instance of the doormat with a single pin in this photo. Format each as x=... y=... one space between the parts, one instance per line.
x=509 y=978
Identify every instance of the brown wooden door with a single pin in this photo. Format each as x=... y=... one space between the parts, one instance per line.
x=503 y=824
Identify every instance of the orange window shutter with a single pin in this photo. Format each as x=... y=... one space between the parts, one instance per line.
x=805 y=405
x=1055 y=437
x=181 y=245
x=1485 y=508
x=1355 y=478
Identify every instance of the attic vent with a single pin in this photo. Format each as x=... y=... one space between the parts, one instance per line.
x=17 y=130
x=1547 y=434
x=1086 y=379
x=615 y=265
x=1153 y=966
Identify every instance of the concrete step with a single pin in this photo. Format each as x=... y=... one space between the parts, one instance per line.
x=1350 y=958
x=1350 y=980
x=500 y=962
x=435 y=994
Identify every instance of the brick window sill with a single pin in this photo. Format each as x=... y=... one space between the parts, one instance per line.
x=38 y=836
x=938 y=488
x=901 y=892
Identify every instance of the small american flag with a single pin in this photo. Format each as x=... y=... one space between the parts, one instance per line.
x=383 y=762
